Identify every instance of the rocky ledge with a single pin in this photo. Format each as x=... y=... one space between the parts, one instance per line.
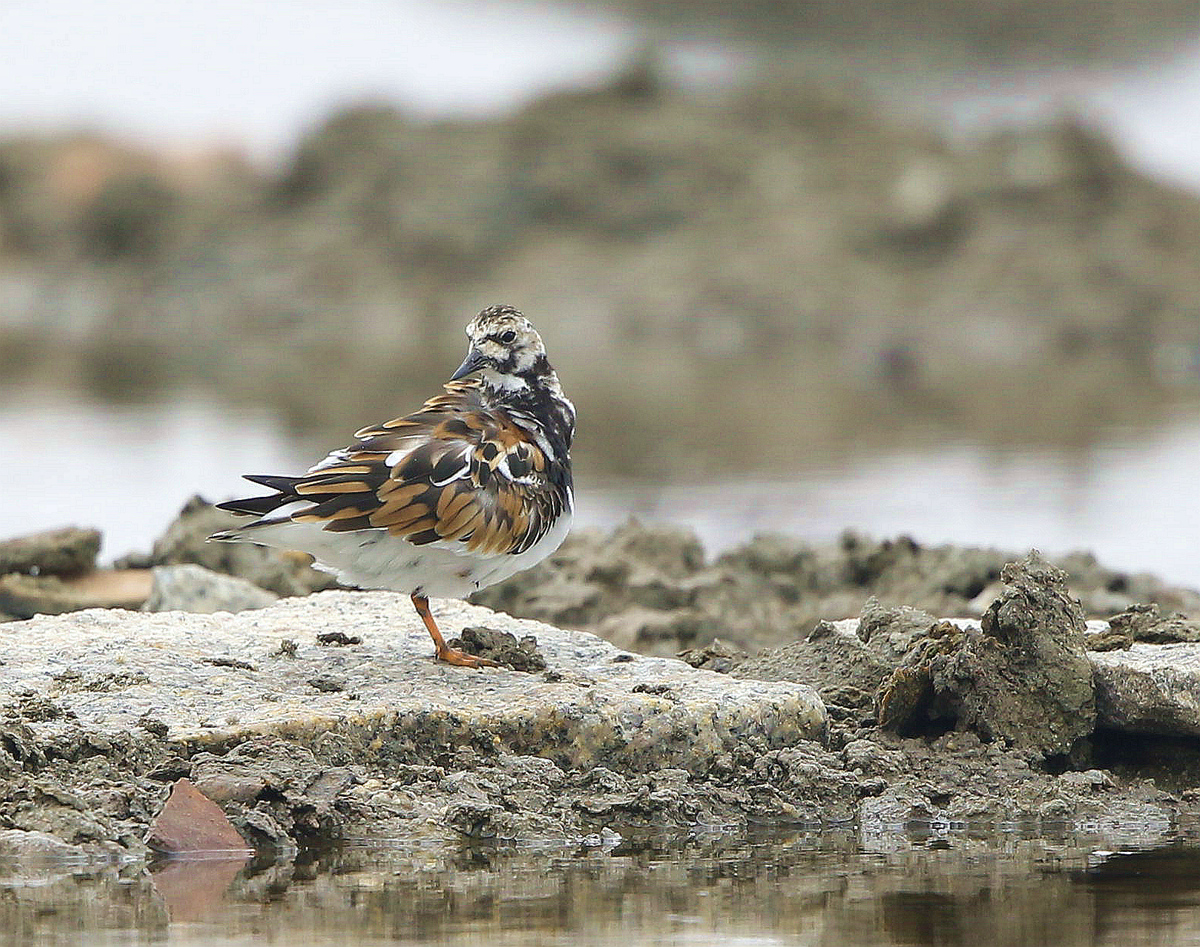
x=317 y=719
x=209 y=682
x=310 y=704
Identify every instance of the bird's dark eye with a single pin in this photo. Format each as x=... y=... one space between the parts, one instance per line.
x=508 y=337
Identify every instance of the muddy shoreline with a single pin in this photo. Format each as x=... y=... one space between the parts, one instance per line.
x=1049 y=701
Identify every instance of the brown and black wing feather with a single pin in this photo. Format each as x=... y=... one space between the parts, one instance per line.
x=453 y=472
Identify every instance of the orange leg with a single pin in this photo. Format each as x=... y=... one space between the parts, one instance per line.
x=443 y=651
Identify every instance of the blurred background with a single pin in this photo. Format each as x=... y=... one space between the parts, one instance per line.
x=923 y=267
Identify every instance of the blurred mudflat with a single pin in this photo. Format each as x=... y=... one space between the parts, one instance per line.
x=767 y=298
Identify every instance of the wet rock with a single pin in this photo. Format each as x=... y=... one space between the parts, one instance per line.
x=501 y=647
x=1022 y=677
x=63 y=552
x=190 y=823
x=24 y=596
x=186 y=541
x=1149 y=689
x=18 y=845
x=192 y=588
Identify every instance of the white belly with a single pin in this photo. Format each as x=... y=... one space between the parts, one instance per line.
x=375 y=559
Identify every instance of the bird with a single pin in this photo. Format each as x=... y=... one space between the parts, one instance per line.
x=470 y=489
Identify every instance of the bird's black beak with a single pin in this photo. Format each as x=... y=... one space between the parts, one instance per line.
x=472 y=362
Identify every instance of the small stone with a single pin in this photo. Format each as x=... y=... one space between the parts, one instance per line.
x=191 y=823
x=192 y=588
x=287 y=649
x=153 y=725
x=227 y=662
x=337 y=638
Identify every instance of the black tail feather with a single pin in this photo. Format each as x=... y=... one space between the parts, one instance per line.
x=254 y=506
x=261 y=506
x=282 y=484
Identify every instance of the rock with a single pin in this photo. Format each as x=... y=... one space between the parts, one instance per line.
x=18 y=845
x=223 y=781
x=891 y=631
x=1144 y=623
x=831 y=659
x=1151 y=689
x=186 y=541
x=1021 y=677
x=24 y=596
x=64 y=552
x=656 y=631
x=760 y=594
x=715 y=656
x=192 y=588
x=872 y=759
x=190 y=824
x=394 y=692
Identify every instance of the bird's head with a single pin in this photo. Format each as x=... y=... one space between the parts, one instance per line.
x=505 y=350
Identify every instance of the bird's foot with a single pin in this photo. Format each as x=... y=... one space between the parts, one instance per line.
x=462 y=659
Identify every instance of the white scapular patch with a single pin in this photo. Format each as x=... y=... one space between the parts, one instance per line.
x=461 y=473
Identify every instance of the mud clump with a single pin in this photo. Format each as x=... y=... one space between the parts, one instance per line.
x=1023 y=679
x=844 y=670
x=501 y=647
x=1144 y=623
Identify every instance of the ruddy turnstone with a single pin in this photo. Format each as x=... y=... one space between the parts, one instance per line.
x=465 y=492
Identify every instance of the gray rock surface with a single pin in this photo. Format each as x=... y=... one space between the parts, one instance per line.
x=650 y=588
x=1153 y=689
x=214 y=681
x=832 y=658
x=192 y=588
x=67 y=551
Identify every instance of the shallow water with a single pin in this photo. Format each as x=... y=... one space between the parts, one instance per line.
x=787 y=888
x=1130 y=499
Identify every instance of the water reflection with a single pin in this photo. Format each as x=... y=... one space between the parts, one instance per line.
x=795 y=889
x=193 y=889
